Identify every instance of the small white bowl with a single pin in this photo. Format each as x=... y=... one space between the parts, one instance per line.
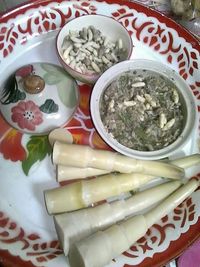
x=187 y=101
x=108 y=27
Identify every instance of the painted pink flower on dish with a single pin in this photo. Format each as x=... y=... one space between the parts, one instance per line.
x=27 y=115
x=24 y=71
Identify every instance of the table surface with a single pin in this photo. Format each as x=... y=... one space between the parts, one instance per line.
x=191 y=257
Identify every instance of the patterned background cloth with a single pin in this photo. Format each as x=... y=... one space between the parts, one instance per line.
x=191 y=257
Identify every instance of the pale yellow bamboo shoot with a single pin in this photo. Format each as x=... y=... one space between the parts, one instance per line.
x=110 y=243
x=187 y=161
x=83 y=193
x=69 y=229
x=84 y=156
x=66 y=173
x=171 y=202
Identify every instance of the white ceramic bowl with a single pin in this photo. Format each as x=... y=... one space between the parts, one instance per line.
x=108 y=27
x=188 y=103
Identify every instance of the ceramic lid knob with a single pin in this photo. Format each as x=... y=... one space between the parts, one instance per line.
x=33 y=84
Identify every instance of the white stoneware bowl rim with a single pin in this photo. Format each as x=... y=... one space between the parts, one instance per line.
x=109 y=75
x=90 y=78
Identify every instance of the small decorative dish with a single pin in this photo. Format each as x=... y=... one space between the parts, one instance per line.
x=39 y=97
x=88 y=45
x=143 y=109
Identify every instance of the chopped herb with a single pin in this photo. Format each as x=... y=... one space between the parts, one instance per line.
x=146 y=112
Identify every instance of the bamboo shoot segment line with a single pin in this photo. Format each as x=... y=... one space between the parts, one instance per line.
x=110 y=243
x=83 y=193
x=69 y=229
x=84 y=156
x=65 y=173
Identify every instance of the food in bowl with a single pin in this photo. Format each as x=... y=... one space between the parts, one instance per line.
x=142 y=110
x=90 y=44
x=90 y=52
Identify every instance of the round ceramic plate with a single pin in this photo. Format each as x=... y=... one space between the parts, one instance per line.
x=27 y=34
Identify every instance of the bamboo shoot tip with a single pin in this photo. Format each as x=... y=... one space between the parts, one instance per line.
x=60 y=134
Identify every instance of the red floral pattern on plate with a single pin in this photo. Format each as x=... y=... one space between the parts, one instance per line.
x=24 y=71
x=32 y=244
x=11 y=146
x=161 y=40
x=4 y=127
x=27 y=115
x=81 y=126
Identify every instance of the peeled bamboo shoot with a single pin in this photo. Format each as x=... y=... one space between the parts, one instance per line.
x=111 y=242
x=70 y=230
x=187 y=161
x=84 y=156
x=66 y=173
x=83 y=193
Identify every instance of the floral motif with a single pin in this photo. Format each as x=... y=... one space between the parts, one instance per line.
x=24 y=71
x=161 y=40
x=27 y=115
x=11 y=146
x=184 y=212
x=8 y=39
x=146 y=243
x=85 y=8
x=85 y=91
x=32 y=244
x=11 y=92
x=81 y=126
x=38 y=148
x=55 y=75
x=5 y=127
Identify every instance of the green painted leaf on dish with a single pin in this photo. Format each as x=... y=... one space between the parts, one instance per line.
x=66 y=85
x=68 y=93
x=50 y=67
x=38 y=148
x=49 y=107
x=11 y=92
x=54 y=74
x=52 y=78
